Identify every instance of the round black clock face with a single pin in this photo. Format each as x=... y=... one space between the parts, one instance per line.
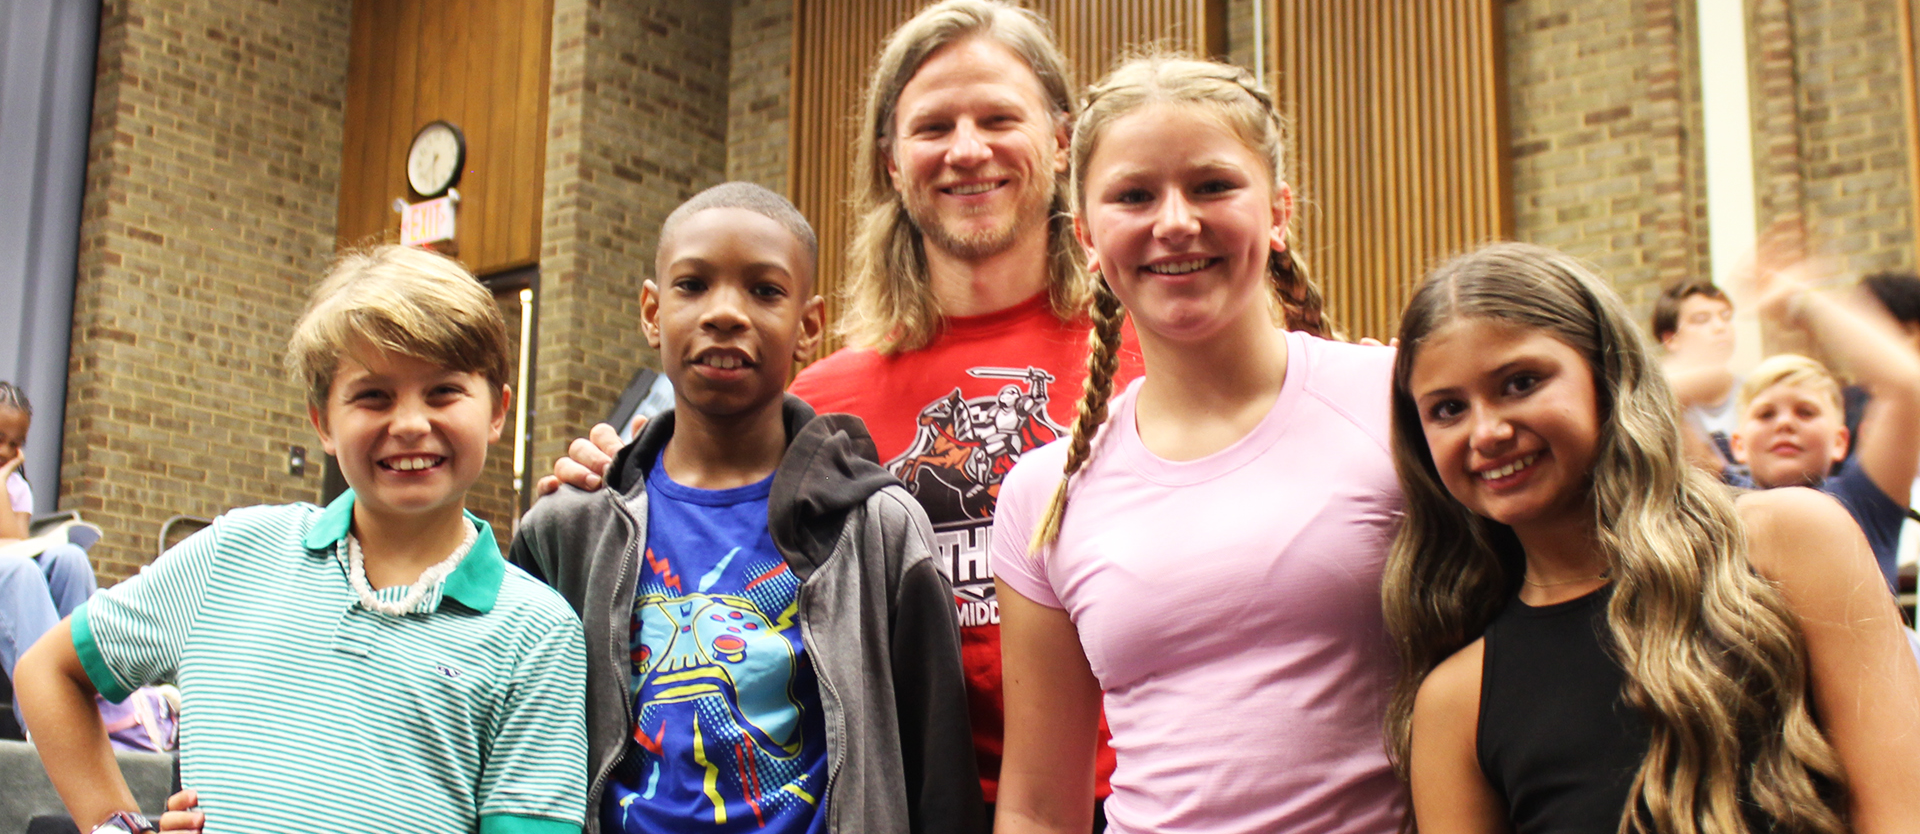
x=434 y=160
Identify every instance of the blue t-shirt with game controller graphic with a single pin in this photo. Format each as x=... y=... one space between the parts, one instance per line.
x=728 y=730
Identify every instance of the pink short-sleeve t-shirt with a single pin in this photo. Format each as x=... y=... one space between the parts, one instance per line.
x=19 y=494
x=1230 y=605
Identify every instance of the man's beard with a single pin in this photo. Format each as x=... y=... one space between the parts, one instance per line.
x=1035 y=201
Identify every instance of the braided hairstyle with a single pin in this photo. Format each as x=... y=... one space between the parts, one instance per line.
x=11 y=396
x=1231 y=94
x=1102 y=361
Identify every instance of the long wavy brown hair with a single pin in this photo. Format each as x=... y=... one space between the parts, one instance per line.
x=1713 y=658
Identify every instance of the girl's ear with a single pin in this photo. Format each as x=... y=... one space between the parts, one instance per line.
x=1282 y=215
x=1085 y=239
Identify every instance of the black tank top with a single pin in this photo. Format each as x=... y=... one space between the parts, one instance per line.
x=1555 y=740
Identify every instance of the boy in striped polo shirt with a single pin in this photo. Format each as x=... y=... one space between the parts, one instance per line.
x=374 y=665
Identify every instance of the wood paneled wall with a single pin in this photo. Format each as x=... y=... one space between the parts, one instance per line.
x=1399 y=142
x=835 y=42
x=480 y=64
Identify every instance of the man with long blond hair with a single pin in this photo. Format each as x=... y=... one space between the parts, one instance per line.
x=966 y=301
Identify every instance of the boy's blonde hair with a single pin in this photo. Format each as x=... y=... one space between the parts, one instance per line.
x=1789 y=369
x=400 y=299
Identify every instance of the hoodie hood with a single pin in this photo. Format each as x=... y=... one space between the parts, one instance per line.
x=831 y=466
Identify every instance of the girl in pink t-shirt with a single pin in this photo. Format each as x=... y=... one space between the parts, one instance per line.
x=1209 y=562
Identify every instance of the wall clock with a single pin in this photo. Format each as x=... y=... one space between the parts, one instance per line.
x=435 y=159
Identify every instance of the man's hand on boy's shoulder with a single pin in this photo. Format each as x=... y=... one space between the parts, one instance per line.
x=585 y=466
x=180 y=815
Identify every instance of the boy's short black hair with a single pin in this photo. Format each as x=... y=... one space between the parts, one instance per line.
x=1899 y=292
x=752 y=197
x=1666 y=308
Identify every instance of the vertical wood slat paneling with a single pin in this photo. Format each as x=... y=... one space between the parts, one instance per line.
x=1398 y=151
x=353 y=143
x=835 y=42
x=532 y=76
x=480 y=64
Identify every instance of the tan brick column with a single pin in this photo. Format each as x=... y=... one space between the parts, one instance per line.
x=636 y=123
x=1830 y=142
x=211 y=179
x=758 y=120
x=1604 y=120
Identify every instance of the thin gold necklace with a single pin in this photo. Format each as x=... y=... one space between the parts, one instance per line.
x=1602 y=575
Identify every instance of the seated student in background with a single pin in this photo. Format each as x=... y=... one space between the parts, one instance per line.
x=1792 y=428
x=774 y=647
x=1693 y=322
x=35 y=591
x=1594 y=638
x=374 y=665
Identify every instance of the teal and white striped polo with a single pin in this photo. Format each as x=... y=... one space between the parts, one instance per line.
x=304 y=709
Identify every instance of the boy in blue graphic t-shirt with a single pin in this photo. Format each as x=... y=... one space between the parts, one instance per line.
x=722 y=679
x=770 y=646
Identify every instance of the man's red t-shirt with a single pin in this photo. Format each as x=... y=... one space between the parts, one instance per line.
x=950 y=419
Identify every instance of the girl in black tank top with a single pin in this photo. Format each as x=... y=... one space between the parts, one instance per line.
x=1569 y=768
x=1594 y=637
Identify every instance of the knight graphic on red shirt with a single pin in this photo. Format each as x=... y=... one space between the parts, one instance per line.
x=950 y=419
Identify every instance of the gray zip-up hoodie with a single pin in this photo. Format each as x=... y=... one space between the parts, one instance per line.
x=876 y=615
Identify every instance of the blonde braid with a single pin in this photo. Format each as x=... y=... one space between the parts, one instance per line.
x=1300 y=298
x=1102 y=363
x=1301 y=302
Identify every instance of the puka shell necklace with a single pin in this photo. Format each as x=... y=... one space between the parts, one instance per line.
x=357 y=576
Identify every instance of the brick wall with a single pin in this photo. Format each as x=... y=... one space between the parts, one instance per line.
x=636 y=123
x=1830 y=139
x=1607 y=162
x=212 y=169
x=1778 y=184
x=1603 y=119
x=493 y=497
x=760 y=91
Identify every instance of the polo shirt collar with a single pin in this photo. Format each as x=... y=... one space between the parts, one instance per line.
x=475 y=583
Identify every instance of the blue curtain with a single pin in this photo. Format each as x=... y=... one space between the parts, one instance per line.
x=46 y=102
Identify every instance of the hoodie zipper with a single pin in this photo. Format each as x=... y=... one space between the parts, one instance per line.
x=839 y=712
x=626 y=739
